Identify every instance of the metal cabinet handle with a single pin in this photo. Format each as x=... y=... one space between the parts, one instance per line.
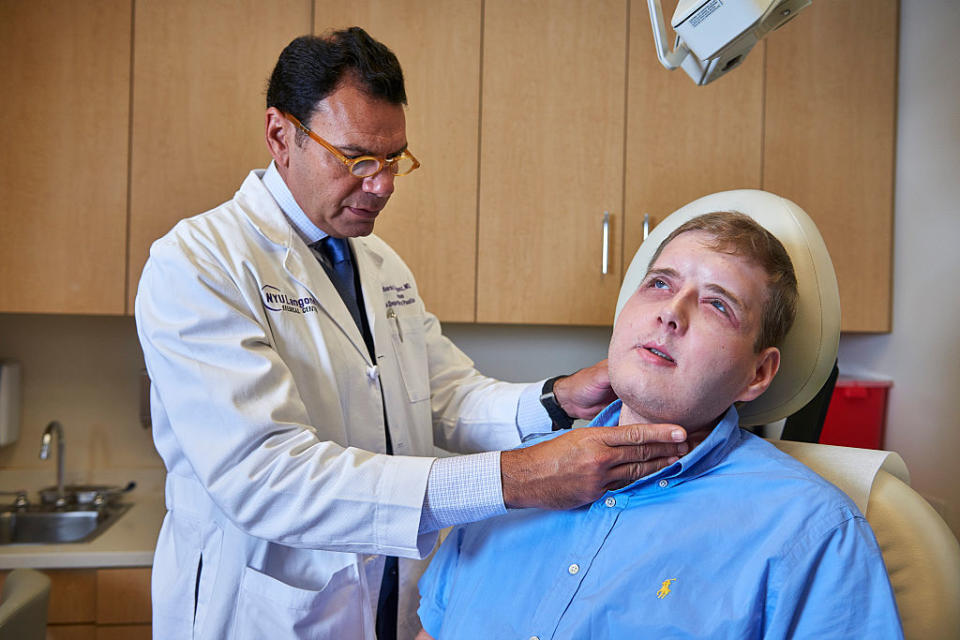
x=646 y=225
x=605 y=256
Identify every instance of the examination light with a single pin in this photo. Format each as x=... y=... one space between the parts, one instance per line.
x=714 y=36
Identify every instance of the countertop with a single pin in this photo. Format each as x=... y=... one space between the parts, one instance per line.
x=128 y=542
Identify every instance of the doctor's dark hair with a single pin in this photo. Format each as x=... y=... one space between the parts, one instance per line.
x=311 y=67
x=740 y=235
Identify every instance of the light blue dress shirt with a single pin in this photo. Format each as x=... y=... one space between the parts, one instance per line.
x=735 y=540
x=461 y=488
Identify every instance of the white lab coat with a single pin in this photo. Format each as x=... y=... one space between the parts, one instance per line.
x=267 y=413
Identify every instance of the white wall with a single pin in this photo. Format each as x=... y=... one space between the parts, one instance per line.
x=525 y=353
x=922 y=354
x=83 y=371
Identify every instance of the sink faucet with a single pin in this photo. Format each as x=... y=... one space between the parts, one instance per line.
x=55 y=428
x=21 y=498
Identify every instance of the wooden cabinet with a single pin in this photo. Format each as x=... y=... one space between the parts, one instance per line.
x=685 y=141
x=63 y=171
x=73 y=596
x=125 y=632
x=551 y=160
x=431 y=220
x=200 y=71
x=830 y=117
x=579 y=118
x=531 y=120
x=808 y=116
x=123 y=596
x=98 y=604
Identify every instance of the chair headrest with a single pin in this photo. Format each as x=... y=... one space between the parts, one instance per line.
x=810 y=348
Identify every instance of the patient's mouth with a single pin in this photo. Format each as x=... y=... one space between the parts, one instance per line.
x=659 y=353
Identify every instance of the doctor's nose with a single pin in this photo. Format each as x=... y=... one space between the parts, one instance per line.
x=380 y=185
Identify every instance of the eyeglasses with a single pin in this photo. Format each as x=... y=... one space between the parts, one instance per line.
x=363 y=166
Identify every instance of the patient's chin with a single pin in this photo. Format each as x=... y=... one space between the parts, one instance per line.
x=645 y=403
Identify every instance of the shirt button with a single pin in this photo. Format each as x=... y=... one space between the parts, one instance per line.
x=663 y=484
x=573 y=569
x=610 y=502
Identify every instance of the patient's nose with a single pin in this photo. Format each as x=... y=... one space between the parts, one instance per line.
x=673 y=315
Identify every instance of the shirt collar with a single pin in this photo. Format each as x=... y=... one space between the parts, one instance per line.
x=724 y=437
x=274 y=183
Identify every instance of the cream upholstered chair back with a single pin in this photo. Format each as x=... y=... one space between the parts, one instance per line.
x=23 y=605
x=921 y=554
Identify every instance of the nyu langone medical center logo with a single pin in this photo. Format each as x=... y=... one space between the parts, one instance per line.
x=276 y=300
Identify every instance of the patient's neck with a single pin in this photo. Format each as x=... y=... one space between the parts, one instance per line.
x=628 y=415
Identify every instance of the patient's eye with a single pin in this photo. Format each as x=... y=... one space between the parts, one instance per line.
x=719 y=305
x=657 y=283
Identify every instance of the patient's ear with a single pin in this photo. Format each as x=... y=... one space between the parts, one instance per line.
x=768 y=363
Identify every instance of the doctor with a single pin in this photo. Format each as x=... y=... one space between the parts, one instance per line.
x=299 y=386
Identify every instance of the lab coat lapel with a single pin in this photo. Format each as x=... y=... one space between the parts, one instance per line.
x=299 y=261
x=303 y=265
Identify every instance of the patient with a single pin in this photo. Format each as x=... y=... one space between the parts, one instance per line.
x=734 y=540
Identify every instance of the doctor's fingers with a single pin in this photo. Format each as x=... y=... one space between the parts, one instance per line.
x=645 y=453
x=624 y=474
x=640 y=434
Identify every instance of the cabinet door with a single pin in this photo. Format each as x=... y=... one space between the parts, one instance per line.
x=63 y=172
x=829 y=143
x=431 y=220
x=124 y=632
x=199 y=78
x=123 y=595
x=551 y=160
x=71 y=632
x=685 y=141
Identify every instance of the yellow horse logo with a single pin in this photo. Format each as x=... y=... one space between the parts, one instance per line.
x=665 y=588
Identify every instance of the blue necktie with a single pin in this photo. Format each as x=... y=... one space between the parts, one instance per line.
x=343 y=276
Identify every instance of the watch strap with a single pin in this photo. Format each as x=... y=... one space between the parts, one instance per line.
x=557 y=415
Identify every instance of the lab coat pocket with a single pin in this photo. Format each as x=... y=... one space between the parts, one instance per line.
x=266 y=606
x=409 y=343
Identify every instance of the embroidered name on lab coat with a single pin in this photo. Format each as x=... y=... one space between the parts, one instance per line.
x=398 y=295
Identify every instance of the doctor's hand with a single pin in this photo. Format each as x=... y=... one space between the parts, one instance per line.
x=584 y=393
x=581 y=465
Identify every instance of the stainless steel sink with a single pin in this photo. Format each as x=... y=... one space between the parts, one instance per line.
x=42 y=524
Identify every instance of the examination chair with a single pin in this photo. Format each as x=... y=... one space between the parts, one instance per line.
x=23 y=605
x=921 y=554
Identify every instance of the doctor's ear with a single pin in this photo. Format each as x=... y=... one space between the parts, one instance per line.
x=280 y=136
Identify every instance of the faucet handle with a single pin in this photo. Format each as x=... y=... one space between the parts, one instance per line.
x=20 y=502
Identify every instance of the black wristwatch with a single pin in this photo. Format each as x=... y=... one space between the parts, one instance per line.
x=549 y=401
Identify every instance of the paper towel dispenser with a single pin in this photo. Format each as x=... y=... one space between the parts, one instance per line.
x=9 y=401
